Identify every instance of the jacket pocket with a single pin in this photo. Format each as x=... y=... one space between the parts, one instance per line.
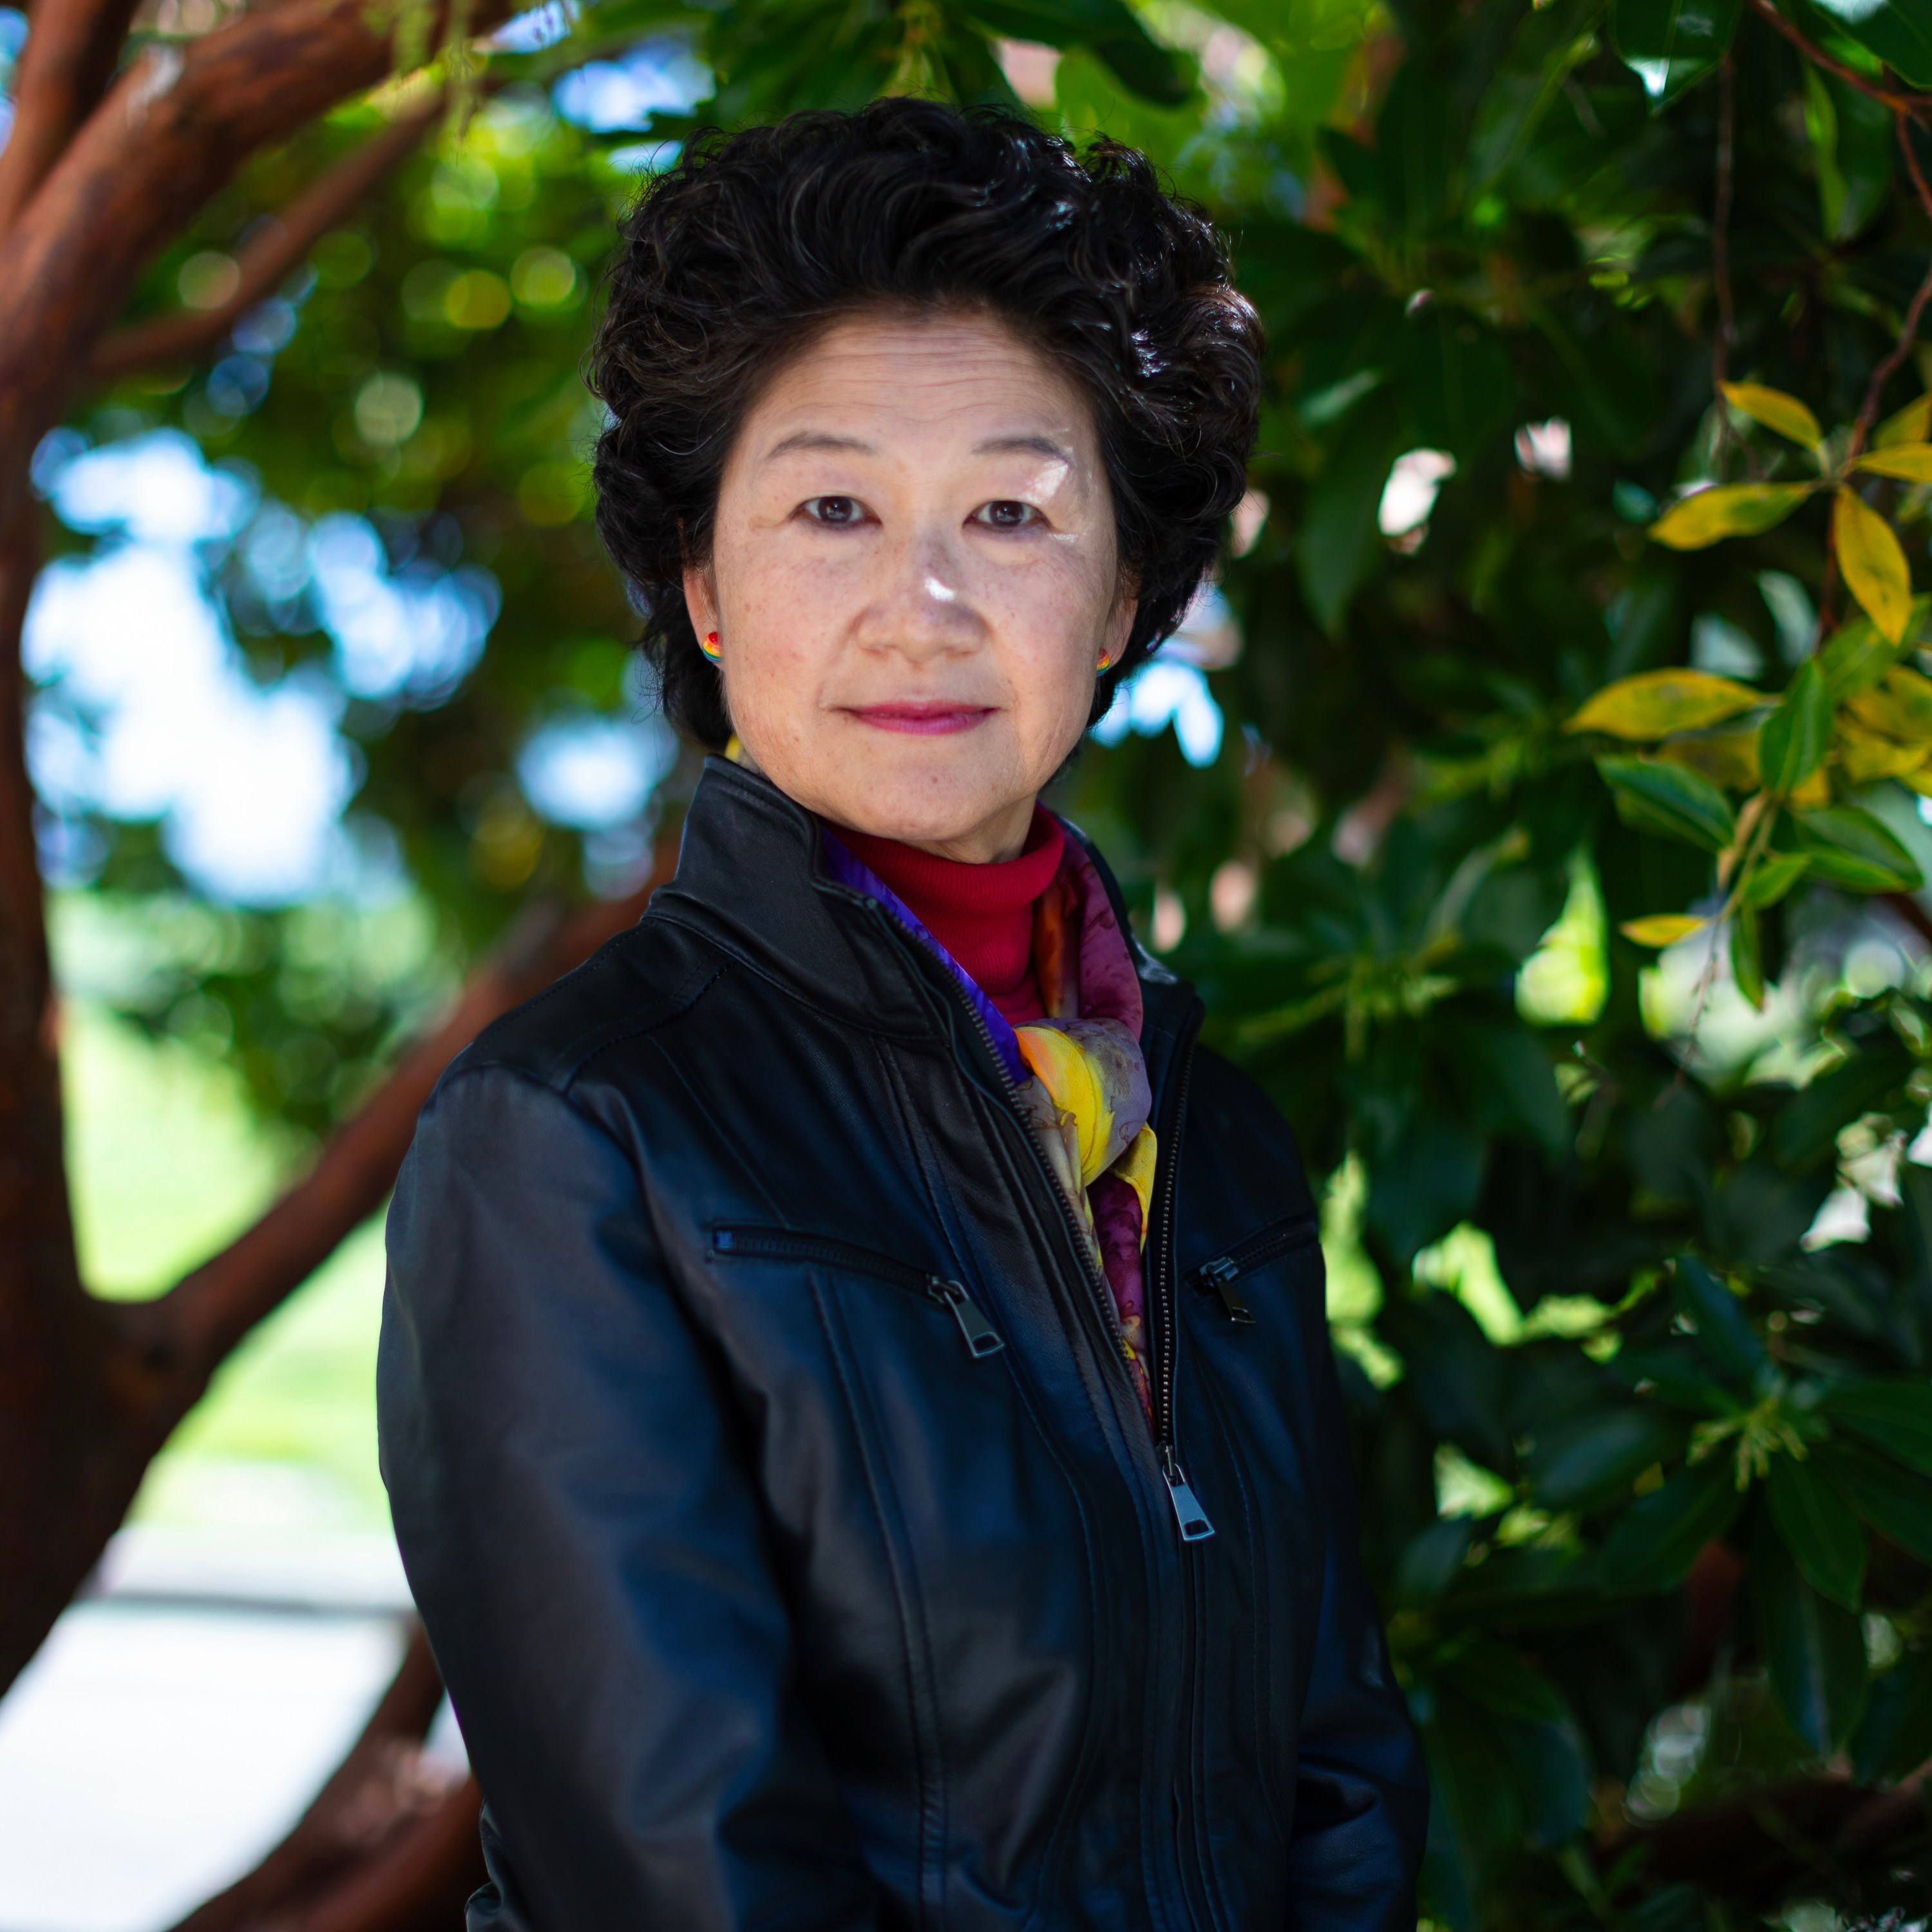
x=737 y=1242
x=1221 y=1275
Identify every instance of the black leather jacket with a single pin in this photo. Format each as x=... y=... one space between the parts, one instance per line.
x=781 y=1513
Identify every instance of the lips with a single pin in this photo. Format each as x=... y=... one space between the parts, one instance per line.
x=932 y=719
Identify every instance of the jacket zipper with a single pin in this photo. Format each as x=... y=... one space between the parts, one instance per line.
x=782 y=1244
x=1220 y=1275
x=1159 y=1271
x=1157 y=1259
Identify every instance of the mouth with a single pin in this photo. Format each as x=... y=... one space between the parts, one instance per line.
x=933 y=719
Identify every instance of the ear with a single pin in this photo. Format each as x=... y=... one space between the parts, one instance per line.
x=701 y=599
x=1120 y=619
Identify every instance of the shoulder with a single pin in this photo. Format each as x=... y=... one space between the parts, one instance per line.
x=1248 y=1134
x=645 y=978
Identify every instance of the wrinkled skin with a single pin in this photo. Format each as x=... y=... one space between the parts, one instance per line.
x=914 y=578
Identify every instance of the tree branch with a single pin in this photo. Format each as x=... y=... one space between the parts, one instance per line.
x=67 y=63
x=173 y=130
x=1909 y=334
x=1721 y=232
x=271 y=255
x=87 y=1398
x=1918 y=106
x=209 y=1310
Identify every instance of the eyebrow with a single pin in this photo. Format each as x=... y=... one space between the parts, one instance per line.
x=818 y=438
x=997 y=445
x=1036 y=445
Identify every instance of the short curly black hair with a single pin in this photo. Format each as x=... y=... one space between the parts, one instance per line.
x=737 y=257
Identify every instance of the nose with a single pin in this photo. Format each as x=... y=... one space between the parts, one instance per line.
x=922 y=608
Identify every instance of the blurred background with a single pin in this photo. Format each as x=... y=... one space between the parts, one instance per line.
x=337 y=745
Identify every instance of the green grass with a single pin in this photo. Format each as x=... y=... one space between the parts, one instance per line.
x=167 y=1163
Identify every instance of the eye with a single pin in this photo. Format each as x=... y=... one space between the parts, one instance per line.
x=1003 y=514
x=839 y=512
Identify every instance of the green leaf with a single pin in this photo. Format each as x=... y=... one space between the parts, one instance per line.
x=1591 y=1458
x=1748 y=956
x=1339 y=543
x=1823 y=1536
x=1911 y=462
x=1655 y=703
x=1668 y=44
x=1895 y=1502
x=1724 y=1332
x=1551 y=1768
x=1895 y=1737
x=1856 y=656
x=1775 y=410
x=1462 y=384
x=1815 y=1650
x=1850 y=848
x=1493 y=1676
x=1894 y=1416
x=1473 y=1810
x=1874 y=563
x=1792 y=744
x=1899 y=31
x=1670 y=801
x=1431 y=1558
x=1549 y=42
x=1730 y=510
x=1657 y=1539
x=1773 y=876
x=1808 y=1128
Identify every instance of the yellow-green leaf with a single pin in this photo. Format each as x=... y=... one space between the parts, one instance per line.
x=1727 y=758
x=1875 y=569
x=1900 y=705
x=1817 y=789
x=1655 y=703
x=1662 y=928
x=1775 y=410
x=1911 y=461
x=1866 y=756
x=1912 y=424
x=1732 y=510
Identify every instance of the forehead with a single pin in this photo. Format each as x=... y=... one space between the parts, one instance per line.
x=884 y=378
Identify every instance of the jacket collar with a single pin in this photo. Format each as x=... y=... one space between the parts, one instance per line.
x=752 y=872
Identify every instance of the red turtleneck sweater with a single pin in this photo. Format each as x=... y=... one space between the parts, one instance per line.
x=982 y=915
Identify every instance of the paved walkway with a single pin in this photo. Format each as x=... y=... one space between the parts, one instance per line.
x=181 y=1717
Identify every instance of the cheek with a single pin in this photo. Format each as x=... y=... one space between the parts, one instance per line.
x=1053 y=624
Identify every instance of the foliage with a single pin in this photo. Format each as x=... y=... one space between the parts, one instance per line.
x=1555 y=868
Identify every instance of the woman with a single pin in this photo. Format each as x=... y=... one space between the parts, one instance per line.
x=854 y=1389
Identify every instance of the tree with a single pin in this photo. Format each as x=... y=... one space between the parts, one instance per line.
x=1571 y=754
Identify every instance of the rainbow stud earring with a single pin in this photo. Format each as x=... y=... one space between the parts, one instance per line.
x=1106 y=661
x=708 y=644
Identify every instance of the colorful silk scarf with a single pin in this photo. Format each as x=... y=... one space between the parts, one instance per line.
x=1079 y=1074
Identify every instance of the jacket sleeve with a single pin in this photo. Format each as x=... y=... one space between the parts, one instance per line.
x=584 y=1541
x=1361 y=1792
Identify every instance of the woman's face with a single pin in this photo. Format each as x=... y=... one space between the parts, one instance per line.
x=913 y=577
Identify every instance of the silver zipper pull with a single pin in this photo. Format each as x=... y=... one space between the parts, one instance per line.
x=1221 y=1276
x=982 y=1337
x=1195 y=1527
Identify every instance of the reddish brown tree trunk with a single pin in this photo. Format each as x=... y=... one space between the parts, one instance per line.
x=100 y=174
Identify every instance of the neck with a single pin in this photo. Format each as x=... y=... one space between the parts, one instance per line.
x=994 y=842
